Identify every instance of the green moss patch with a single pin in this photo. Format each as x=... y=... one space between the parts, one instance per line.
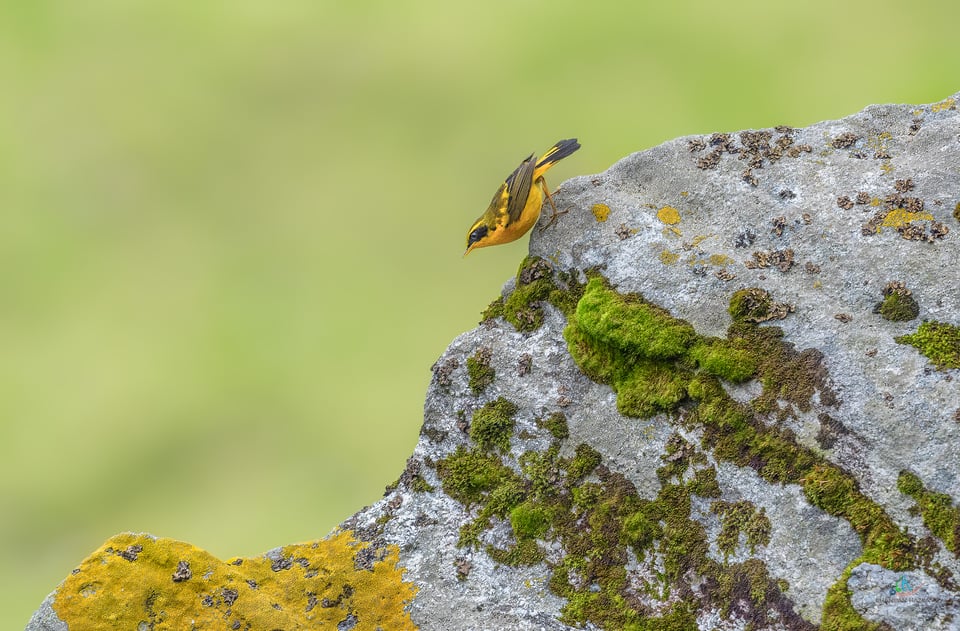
x=556 y=424
x=596 y=518
x=479 y=371
x=939 y=514
x=937 y=341
x=616 y=344
x=536 y=283
x=658 y=364
x=898 y=304
x=492 y=425
x=737 y=518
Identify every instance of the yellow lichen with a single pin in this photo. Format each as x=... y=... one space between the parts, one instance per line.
x=721 y=260
x=949 y=104
x=669 y=258
x=669 y=215
x=898 y=217
x=138 y=582
x=601 y=212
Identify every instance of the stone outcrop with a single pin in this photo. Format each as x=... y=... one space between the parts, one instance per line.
x=723 y=392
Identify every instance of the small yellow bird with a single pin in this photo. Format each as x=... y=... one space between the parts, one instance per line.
x=515 y=206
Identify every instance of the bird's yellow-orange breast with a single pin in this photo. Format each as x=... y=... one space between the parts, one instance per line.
x=528 y=217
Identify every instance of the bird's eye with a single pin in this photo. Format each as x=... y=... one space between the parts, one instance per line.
x=477 y=234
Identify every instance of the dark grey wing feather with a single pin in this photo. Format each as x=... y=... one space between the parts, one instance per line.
x=518 y=186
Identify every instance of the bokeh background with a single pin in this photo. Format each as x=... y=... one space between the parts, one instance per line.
x=231 y=231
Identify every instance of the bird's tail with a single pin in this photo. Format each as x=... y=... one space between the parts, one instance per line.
x=554 y=154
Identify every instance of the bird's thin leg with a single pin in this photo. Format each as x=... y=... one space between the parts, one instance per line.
x=553 y=215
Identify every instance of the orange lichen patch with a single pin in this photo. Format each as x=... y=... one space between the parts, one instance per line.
x=601 y=212
x=141 y=582
x=898 y=217
x=949 y=104
x=669 y=258
x=669 y=215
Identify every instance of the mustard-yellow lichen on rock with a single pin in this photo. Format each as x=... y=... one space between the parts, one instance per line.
x=141 y=582
x=601 y=212
x=669 y=215
x=898 y=217
x=948 y=104
x=669 y=258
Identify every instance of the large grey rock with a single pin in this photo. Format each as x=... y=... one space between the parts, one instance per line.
x=824 y=219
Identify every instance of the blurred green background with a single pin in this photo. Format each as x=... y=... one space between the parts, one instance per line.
x=231 y=232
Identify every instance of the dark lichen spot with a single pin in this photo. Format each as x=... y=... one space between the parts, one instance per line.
x=745 y=239
x=830 y=431
x=845 y=140
x=442 y=372
x=780 y=259
x=524 y=365
x=755 y=305
x=937 y=341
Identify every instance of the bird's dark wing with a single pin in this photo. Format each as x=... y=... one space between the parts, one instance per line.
x=518 y=187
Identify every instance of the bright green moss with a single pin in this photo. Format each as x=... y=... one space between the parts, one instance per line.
x=717 y=357
x=631 y=324
x=937 y=341
x=595 y=360
x=650 y=388
x=479 y=370
x=939 y=514
x=492 y=425
x=529 y=520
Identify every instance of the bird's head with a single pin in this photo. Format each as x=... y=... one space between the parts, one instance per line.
x=477 y=236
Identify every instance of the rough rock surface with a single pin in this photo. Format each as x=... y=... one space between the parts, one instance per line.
x=724 y=393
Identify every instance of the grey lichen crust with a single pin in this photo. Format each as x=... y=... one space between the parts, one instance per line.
x=822 y=221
